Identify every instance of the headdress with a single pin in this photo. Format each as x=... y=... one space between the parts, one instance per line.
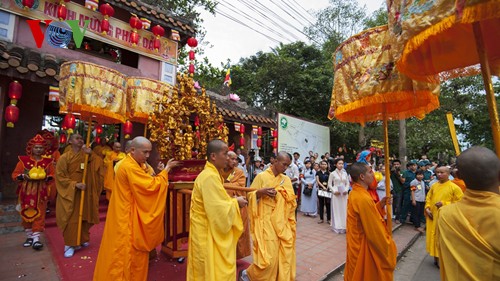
x=37 y=140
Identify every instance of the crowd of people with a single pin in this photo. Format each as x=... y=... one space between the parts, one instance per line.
x=241 y=206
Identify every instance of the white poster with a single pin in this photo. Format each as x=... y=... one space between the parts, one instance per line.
x=298 y=135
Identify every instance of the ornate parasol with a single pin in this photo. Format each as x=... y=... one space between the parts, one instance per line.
x=443 y=39
x=142 y=94
x=368 y=87
x=95 y=92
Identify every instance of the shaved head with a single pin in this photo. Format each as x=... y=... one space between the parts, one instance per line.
x=357 y=169
x=232 y=160
x=139 y=142
x=215 y=146
x=217 y=153
x=117 y=147
x=128 y=146
x=140 y=148
x=283 y=155
x=479 y=167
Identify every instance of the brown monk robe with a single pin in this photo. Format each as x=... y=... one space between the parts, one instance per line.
x=234 y=176
x=69 y=174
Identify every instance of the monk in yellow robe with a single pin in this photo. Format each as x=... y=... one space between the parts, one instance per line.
x=134 y=223
x=467 y=231
x=442 y=193
x=69 y=176
x=112 y=156
x=272 y=224
x=234 y=176
x=215 y=222
x=371 y=251
x=101 y=149
x=34 y=174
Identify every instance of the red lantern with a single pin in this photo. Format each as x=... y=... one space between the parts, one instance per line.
x=242 y=128
x=98 y=129
x=62 y=138
x=191 y=68
x=136 y=24
x=127 y=129
x=69 y=121
x=275 y=133
x=259 y=131
x=192 y=42
x=158 y=31
x=191 y=55
x=134 y=38
x=242 y=142
x=259 y=142
x=98 y=140
x=11 y=115
x=107 y=11
x=274 y=144
x=15 y=91
x=62 y=11
x=28 y=4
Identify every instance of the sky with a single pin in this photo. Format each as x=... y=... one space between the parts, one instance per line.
x=231 y=40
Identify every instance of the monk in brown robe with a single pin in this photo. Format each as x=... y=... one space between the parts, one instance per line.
x=69 y=176
x=234 y=176
x=371 y=252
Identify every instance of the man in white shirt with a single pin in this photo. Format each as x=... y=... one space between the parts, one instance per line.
x=296 y=161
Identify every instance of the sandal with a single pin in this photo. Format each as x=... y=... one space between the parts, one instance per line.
x=28 y=242
x=37 y=245
x=321 y=221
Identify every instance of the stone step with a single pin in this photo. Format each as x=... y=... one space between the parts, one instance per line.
x=7 y=207
x=10 y=216
x=10 y=227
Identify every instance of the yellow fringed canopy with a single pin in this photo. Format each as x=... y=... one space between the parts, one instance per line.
x=367 y=84
x=93 y=91
x=437 y=38
x=142 y=94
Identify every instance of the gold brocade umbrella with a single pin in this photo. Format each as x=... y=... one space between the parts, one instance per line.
x=439 y=40
x=142 y=94
x=95 y=92
x=368 y=87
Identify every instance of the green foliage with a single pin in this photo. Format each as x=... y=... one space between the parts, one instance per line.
x=378 y=18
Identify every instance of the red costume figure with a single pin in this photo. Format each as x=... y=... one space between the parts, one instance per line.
x=33 y=173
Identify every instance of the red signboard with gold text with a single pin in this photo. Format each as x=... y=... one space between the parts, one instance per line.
x=118 y=34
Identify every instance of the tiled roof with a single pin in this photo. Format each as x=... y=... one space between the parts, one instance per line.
x=29 y=62
x=156 y=15
x=240 y=112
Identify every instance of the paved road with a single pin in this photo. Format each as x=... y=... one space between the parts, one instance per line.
x=416 y=264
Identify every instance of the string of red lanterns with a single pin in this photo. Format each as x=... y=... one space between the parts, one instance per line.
x=158 y=31
x=136 y=25
x=259 y=137
x=192 y=42
x=107 y=11
x=274 y=143
x=242 y=136
x=12 y=111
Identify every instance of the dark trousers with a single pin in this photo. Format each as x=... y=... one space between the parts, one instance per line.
x=296 y=190
x=418 y=213
x=406 y=208
x=324 y=202
x=397 y=203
